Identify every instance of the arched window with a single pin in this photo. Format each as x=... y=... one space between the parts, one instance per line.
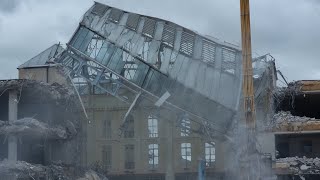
x=185 y=126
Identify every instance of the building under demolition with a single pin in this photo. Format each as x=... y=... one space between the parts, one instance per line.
x=145 y=98
x=147 y=86
x=41 y=136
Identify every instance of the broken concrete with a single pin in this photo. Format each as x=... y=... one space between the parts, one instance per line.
x=33 y=127
x=24 y=170
x=296 y=165
x=285 y=121
x=48 y=129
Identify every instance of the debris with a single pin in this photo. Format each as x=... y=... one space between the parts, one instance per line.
x=285 y=121
x=92 y=175
x=31 y=126
x=304 y=167
x=53 y=171
x=298 y=165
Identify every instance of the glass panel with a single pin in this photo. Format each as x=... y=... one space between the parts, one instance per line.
x=102 y=51
x=141 y=73
x=82 y=34
x=108 y=54
x=116 y=63
x=76 y=36
x=155 y=82
x=86 y=41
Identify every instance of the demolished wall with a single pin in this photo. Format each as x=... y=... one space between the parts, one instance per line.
x=48 y=128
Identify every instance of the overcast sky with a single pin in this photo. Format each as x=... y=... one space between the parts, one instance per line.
x=288 y=29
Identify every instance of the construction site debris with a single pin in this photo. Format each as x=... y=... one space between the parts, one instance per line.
x=54 y=90
x=31 y=126
x=92 y=175
x=23 y=169
x=285 y=121
x=282 y=117
x=298 y=165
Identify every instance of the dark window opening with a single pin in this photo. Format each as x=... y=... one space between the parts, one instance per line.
x=3 y=147
x=282 y=150
x=31 y=150
x=4 y=104
x=300 y=145
x=307 y=147
x=301 y=105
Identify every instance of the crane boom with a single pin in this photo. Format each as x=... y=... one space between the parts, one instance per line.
x=248 y=94
x=248 y=91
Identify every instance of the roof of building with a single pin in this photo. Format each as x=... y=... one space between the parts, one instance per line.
x=42 y=59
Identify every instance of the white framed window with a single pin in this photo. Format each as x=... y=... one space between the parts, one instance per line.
x=186 y=153
x=129 y=129
x=153 y=126
x=107 y=156
x=210 y=153
x=153 y=155
x=129 y=157
x=185 y=127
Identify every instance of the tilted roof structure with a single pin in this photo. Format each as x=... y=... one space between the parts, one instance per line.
x=158 y=64
x=43 y=58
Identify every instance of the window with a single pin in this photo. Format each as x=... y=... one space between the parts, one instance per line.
x=106 y=129
x=210 y=153
x=185 y=126
x=186 y=153
x=129 y=127
x=153 y=126
x=153 y=155
x=129 y=156
x=107 y=156
x=307 y=147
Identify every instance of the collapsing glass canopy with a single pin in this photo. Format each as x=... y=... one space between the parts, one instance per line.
x=157 y=65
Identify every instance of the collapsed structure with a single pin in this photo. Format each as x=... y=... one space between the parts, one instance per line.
x=38 y=129
x=157 y=100
x=296 y=128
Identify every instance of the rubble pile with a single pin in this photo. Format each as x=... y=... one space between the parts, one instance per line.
x=30 y=126
x=54 y=91
x=23 y=169
x=285 y=121
x=298 y=165
x=282 y=117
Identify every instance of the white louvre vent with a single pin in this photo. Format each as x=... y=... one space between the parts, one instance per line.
x=115 y=15
x=168 y=35
x=133 y=21
x=187 y=43
x=99 y=9
x=149 y=27
x=208 y=51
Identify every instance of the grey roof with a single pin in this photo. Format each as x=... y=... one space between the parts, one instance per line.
x=42 y=59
